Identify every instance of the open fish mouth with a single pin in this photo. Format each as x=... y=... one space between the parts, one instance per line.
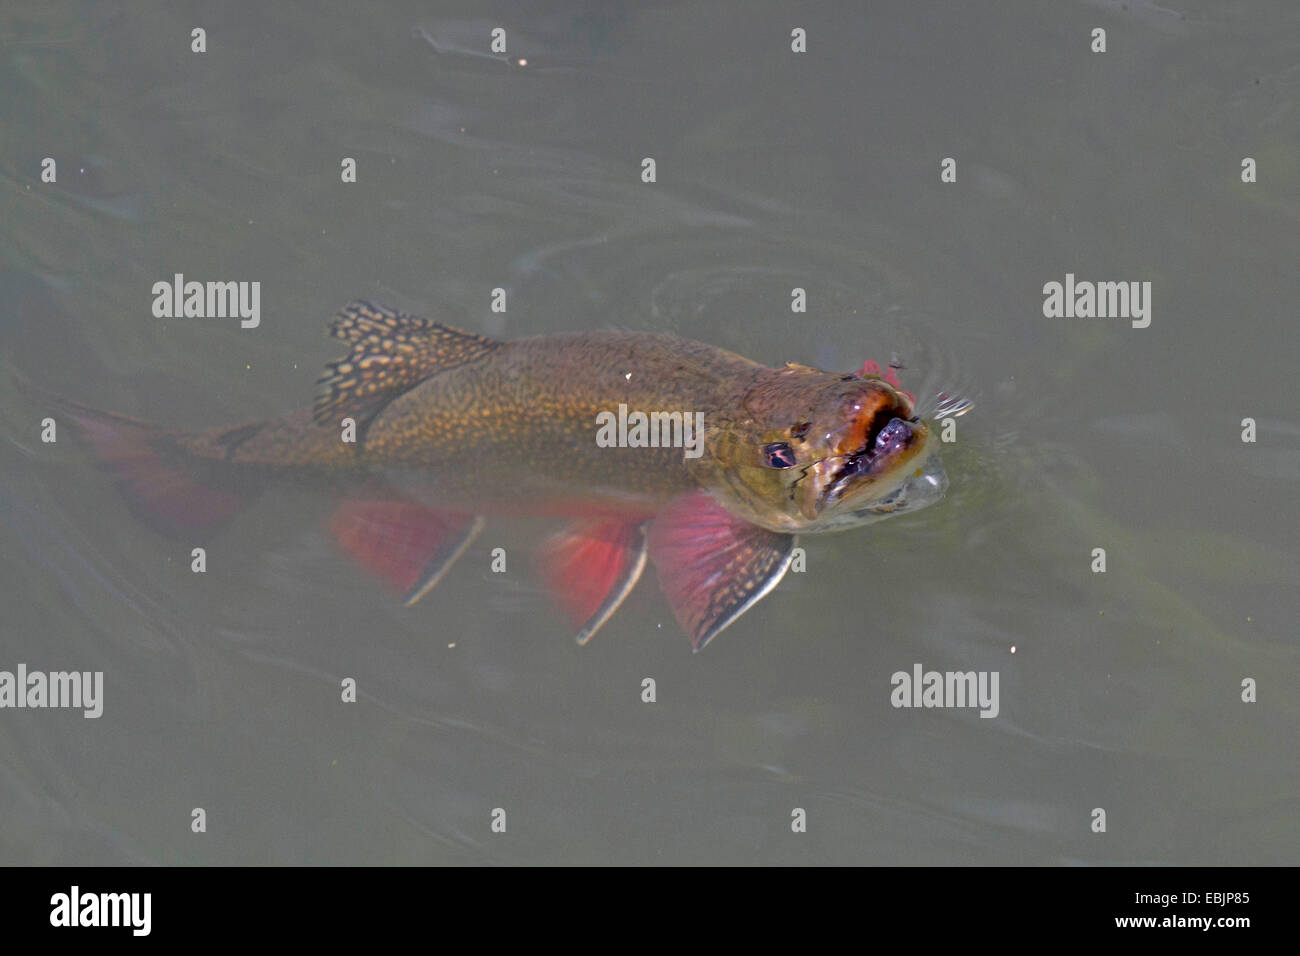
x=889 y=436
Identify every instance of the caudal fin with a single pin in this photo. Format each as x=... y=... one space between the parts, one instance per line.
x=171 y=491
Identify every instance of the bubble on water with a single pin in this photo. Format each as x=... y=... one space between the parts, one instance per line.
x=951 y=406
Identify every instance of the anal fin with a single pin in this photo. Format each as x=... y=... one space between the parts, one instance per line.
x=591 y=566
x=405 y=545
x=712 y=566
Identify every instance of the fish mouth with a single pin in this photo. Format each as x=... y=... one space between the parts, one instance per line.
x=889 y=438
x=828 y=490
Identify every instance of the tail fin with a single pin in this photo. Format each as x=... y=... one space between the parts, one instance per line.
x=170 y=490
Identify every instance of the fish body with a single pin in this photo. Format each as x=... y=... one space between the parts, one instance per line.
x=513 y=430
x=426 y=429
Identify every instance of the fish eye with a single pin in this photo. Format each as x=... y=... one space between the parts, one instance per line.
x=778 y=455
x=798 y=431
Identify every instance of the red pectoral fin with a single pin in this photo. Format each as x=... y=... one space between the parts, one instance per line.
x=408 y=547
x=713 y=566
x=591 y=566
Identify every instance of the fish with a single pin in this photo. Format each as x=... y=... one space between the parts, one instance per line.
x=425 y=432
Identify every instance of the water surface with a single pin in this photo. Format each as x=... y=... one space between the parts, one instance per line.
x=774 y=170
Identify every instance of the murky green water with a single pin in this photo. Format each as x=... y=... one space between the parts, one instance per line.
x=774 y=170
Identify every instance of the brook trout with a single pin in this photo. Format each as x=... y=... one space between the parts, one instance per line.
x=717 y=462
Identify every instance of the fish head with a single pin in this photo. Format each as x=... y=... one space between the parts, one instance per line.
x=813 y=451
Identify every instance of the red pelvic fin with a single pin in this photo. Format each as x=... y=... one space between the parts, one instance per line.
x=591 y=566
x=713 y=566
x=406 y=546
x=170 y=490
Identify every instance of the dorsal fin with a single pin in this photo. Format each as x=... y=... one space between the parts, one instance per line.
x=392 y=352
